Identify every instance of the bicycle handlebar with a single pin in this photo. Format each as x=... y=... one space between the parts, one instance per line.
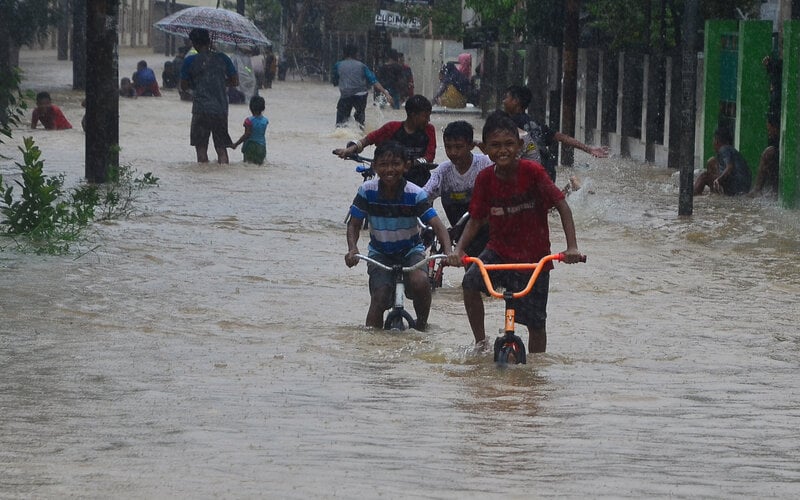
x=536 y=266
x=418 y=265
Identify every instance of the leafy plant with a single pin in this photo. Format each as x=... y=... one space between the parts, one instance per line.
x=12 y=102
x=47 y=219
x=119 y=195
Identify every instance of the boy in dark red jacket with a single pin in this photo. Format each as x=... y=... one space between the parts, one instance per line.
x=415 y=133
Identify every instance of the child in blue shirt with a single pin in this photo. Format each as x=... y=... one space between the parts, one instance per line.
x=393 y=205
x=255 y=131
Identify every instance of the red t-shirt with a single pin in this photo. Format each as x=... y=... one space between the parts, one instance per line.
x=517 y=211
x=420 y=144
x=52 y=118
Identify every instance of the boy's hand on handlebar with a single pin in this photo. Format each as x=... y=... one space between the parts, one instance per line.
x=350 y=258
x=343 y=153
x=454 y=258
x=572 y=256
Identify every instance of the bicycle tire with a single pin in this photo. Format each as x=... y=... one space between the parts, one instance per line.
x=506 y=350
x=398 y=320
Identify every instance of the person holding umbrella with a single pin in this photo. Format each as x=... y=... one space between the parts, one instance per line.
x=208 y=74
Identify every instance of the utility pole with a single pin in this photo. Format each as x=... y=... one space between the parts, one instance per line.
x=569 y=82
x=688 y=85
x=102 y=98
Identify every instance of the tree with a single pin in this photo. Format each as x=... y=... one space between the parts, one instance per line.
x=266 y=14
x=507 y=16
x=22 y=22
x=102 y=102
x=629 y=24
x=444 y=17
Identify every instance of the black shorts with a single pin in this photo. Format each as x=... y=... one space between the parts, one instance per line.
x=380 y=278
x=530 y=310
x=205 y=125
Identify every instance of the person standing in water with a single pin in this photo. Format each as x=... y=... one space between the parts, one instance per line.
x=354 y=80
x=207 y=73
x=255 y=130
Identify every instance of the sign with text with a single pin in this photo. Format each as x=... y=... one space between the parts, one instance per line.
x=395 y=20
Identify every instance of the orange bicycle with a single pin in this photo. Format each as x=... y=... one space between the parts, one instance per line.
x=508 y=347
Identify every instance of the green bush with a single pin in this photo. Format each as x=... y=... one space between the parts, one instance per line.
x=47 y=219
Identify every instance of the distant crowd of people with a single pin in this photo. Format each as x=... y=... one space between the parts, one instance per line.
x=212 y=80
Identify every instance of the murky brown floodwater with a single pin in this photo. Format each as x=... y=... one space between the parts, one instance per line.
x=211 y=345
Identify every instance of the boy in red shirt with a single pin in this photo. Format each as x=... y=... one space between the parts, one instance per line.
x=48 y=113
x=514 y=196
x=415 y=133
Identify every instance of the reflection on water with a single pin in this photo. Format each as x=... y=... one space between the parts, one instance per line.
x=212 y=344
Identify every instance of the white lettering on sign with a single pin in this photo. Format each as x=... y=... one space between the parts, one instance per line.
x=395 y=20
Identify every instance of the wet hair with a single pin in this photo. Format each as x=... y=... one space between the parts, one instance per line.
x=350 y=50
x=391 y=149
x=521 y=94
x=459 y=130
x=418 y=103
x=42 y=95
x=257 y=104
x=723 y=135
x=499 y=121
x=200 y=36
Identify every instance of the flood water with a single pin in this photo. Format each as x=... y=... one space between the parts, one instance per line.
x=211 y=345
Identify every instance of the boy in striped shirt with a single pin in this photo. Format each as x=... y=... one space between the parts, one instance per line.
x=392 y=205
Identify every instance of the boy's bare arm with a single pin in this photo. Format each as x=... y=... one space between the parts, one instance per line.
x=355 y=148
x=353 y=232
x=572 y=255
x=441 y=233
x=470 y=230
x=598 y=152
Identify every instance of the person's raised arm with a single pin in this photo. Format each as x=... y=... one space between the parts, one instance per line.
x=352 y=149
x=596 y=151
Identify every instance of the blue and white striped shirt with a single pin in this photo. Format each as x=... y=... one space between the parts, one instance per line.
x=393 y=222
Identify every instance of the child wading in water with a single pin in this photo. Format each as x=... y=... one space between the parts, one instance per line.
x=255 y=130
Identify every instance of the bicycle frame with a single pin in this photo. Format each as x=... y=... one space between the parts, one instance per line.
x=509 y=343
x=436 y=271
x=398 y=316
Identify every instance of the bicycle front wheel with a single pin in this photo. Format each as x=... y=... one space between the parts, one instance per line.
x=509 y=351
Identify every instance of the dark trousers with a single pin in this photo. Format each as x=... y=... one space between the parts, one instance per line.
x=346 y=104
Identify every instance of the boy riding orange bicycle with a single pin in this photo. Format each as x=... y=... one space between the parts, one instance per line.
x=514 y=196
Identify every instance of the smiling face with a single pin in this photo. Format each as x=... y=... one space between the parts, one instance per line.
x=390 y=169
x=503 y=147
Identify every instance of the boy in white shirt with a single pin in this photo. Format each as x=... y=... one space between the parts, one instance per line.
x=453 y=179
